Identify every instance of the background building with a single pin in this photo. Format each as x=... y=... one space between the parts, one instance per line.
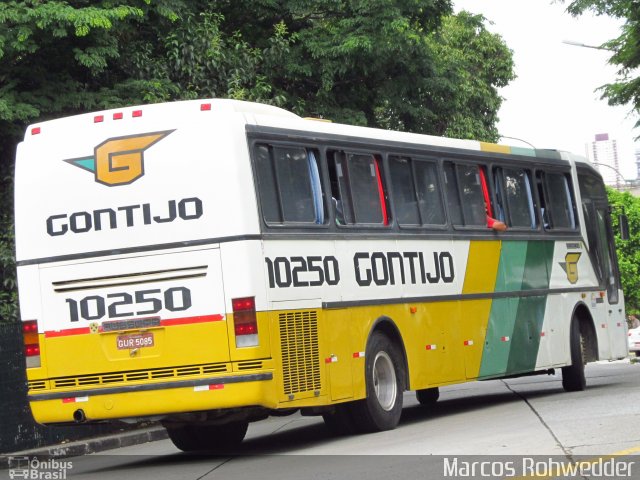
x=603 y=153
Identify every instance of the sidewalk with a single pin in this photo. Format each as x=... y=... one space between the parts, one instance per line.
x=90 y=445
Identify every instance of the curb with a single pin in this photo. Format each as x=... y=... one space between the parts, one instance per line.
x=90 y=445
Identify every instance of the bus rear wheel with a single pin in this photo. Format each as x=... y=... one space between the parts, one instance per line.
x=209 y=438
x=384 y=373
x=573 y=378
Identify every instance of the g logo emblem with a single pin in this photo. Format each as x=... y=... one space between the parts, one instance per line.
x=570 y=266
x=119 y=160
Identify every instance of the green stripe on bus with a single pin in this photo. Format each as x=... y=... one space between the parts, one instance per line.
x=530 y=313
x=495 y=355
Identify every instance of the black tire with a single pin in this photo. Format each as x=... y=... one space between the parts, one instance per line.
x=573 y=378
x=208 y=438
x=428 y=396
x=384 y=376
x=339 y=422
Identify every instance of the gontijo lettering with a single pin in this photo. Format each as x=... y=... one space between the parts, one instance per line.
x=126 y=216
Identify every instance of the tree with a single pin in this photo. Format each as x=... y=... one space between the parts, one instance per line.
x=626 y=48
x=403 y=64
x=628 y=251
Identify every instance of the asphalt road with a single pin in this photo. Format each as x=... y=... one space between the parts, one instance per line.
x=502 y=423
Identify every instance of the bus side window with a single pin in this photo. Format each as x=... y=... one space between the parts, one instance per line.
x=429 y=198
x=558 y=206
x=404 y=191
x=339 y=188
x=289 y=184
x=356 y=185
x=464 y=195
x=514 y=192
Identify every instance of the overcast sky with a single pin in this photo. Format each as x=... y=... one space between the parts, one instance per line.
x=553 y=103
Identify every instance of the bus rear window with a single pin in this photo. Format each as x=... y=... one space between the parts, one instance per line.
x=289 y=185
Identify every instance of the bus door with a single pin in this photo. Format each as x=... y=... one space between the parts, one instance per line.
x=603 y=257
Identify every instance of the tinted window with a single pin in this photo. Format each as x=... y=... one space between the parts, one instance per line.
x=516 y=188
x=429 y=198
x=357 y=189
x=452 y=194
x=404 y=193
x=464 y=195
x=559 y=201
x=289 y=184
x=365 y=189
x=267 y=186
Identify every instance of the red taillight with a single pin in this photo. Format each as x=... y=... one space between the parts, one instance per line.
x=32 y=350
x=30 y=326
x=35 y=131
x=31 y=342
x=245 y=321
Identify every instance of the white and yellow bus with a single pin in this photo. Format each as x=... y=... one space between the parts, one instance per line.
x=209 y=263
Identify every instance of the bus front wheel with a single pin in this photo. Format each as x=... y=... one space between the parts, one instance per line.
x=384 y=371
x=573 y=378
x=209 y=438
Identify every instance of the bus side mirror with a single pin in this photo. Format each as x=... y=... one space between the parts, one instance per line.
x=623 y=224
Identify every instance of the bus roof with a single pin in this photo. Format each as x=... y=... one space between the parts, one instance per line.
x=276 y=117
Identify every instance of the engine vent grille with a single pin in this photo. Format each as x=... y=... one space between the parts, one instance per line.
x=300 y=355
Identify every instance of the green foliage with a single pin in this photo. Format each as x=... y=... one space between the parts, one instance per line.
x=626 y=48
x=401 y=64
x=628 y=251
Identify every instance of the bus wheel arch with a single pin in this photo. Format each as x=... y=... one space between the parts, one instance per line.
x=385 y=379
x=389 y=328
x=583 y=348
x=587 y=331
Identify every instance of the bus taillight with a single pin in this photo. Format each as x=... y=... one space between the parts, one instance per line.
x=245 y=322
x=31 y=343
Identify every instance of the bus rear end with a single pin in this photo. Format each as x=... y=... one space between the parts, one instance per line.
x=128 y=308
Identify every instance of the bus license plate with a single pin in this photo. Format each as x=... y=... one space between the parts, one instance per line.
x=138 y=340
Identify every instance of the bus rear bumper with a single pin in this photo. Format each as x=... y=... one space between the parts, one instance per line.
x=153 y=399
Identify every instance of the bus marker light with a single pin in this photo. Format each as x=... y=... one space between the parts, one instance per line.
x=205 y=107
x=75 y=399
x=468 y=343
x=35 y=131
x=117 y=116
x=431 y=347
x=136 y=113
x=542 y=334
x=505 y=339
x=206 y=388
x=413 y=309
x=331 y=359
x=358 y=355
x=98 y=119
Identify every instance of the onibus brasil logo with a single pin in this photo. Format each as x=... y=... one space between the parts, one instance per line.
x=119 y=160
